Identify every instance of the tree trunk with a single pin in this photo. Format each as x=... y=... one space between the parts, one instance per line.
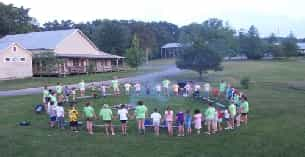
x=200 y=75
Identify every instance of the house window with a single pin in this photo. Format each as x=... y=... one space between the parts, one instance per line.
x=14 y=59
x=22 y=59
x=14 y=48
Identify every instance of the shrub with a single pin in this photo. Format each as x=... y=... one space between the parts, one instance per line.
x=244 y=82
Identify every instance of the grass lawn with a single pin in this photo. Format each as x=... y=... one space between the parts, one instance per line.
x=275 y=129
x=152 y=66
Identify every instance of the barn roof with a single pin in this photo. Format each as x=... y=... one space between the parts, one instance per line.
x=301 y=46
x=171 y=45
x=39 y=40
x=4 y=45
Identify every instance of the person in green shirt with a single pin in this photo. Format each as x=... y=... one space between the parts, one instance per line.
x=244 y=109
x=115 y=86
x=222 y=87
x=210 y=115
x=140 y=113
x=232 y=112
x=82 y=88
x=90 y=115
x=165 y=84
x=45 y=94
x=106 y=116
x=58 y=89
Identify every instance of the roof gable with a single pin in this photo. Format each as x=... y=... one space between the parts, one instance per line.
x=39 y=40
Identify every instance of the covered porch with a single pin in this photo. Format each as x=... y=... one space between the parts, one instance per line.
x=82 y=64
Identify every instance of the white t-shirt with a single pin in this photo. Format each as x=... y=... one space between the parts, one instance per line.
x=226 y=114
x=103 y=88
x=123 y=114
x=206 y=87
x=138 y=87
x=127 y=86
x=156 y=117
x=158 y=88
x=197 y=87
x=60 y=111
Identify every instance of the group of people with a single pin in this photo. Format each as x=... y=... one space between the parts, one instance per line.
x=214 y=117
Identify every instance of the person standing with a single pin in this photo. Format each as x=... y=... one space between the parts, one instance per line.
x=82 y=88
x=140 y=113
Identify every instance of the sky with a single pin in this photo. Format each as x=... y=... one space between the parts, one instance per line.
x=278 y=16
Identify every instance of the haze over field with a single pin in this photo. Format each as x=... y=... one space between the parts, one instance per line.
x=278 y=16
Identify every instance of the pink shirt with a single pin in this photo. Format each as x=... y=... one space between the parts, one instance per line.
x=197 y=120
x=169 y=115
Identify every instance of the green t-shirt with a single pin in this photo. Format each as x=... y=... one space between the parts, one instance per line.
x=54 y=99
x=58 y=89
x=245 y=107
x=106 y=114
x=115 y=83
x=89 y=111
x=210 y=113
x=82 y=85
x=140 y=111
x=236 y=100
x=165 y=83
x=222 y=87
x=45 y=93
x=232 y=109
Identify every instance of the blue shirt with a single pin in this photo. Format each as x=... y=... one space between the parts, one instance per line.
x=188 y=118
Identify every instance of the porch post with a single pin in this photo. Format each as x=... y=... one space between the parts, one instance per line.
x=117 y=64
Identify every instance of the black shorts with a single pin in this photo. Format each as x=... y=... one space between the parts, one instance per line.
x=180 y=122
x=89 y=118
x=73 y=123
x=244 y=114
x=107 y=121
x=123 y=121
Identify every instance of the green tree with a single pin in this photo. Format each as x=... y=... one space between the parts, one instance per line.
x=251 y=44
x=289 y=46
x=200 y=58
x=135 y=55
x=15 y=20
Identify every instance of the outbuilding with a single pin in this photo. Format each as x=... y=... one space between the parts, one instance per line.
x=15 y=61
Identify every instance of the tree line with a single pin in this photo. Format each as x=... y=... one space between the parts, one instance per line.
x=205 y=44
x=115 y=36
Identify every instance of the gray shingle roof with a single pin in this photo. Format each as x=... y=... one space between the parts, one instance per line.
x=38 y=40
x=301 y=46
x=171 y=45
x=4 y=45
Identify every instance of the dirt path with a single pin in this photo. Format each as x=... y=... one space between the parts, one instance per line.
x=170 y=70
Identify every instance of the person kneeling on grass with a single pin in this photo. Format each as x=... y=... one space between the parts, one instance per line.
x=123 y=116
x=156 y=118
x=73 y=118
x=106 y=116
x=140 y=112
x=90 y=116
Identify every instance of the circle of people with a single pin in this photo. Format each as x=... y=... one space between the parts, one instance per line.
x=214 y=117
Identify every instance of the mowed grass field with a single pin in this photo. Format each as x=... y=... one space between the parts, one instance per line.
x=275 y=129
x=152 y=66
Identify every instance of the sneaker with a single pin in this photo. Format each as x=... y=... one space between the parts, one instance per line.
x=208 y=133
x=113 y=134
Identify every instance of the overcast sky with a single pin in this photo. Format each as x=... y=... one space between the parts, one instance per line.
x=278 y=16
